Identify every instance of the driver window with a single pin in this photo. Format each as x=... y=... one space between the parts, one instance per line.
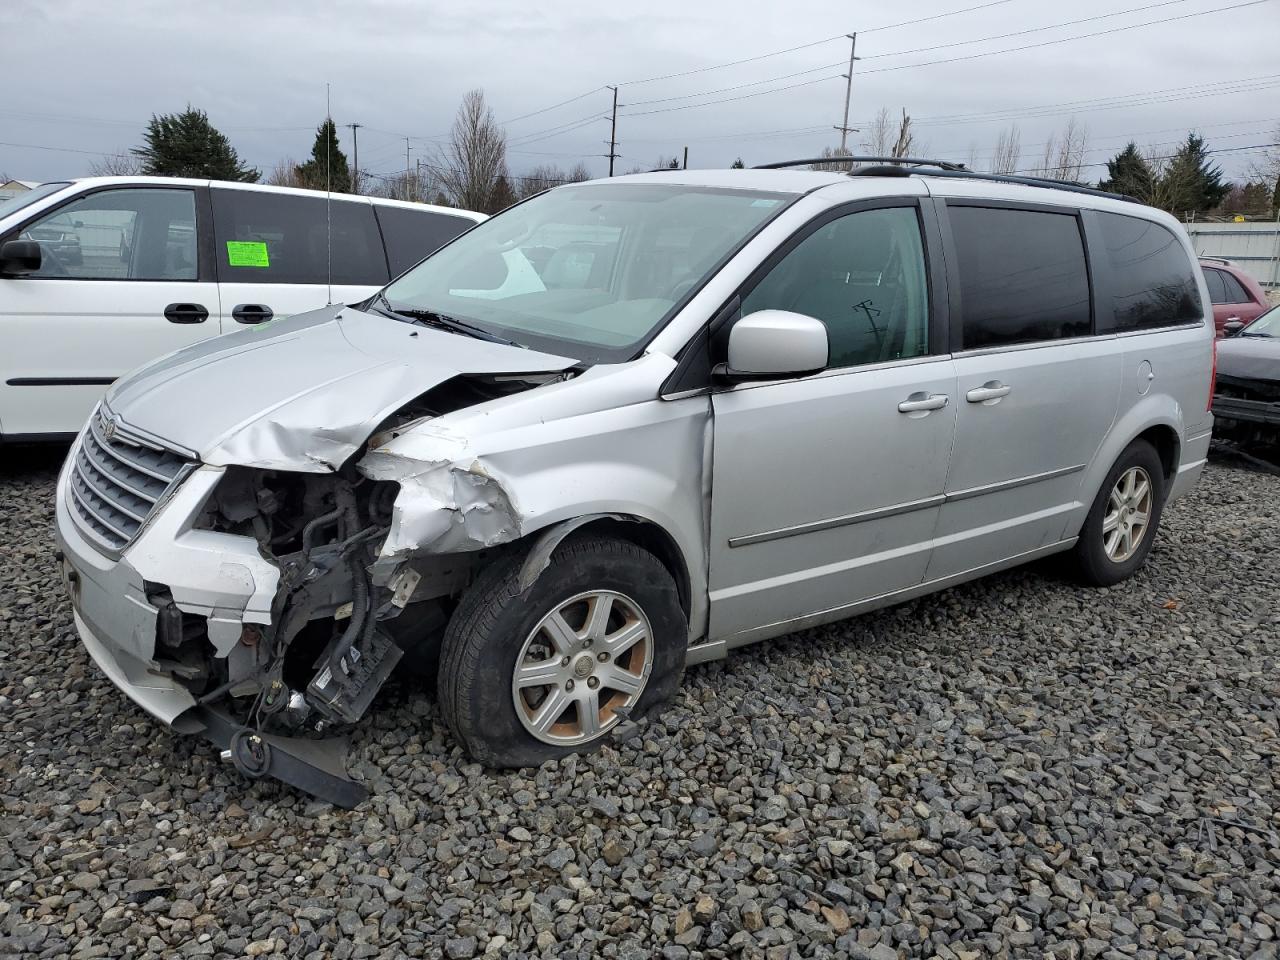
x=863 y=275
x=119 y=235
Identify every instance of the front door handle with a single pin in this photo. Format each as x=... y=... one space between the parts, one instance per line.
x=186 y=313
x=251 y=313
x=990 y=392
x=923 y=402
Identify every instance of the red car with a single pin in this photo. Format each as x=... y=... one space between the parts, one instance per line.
x=1236 y=296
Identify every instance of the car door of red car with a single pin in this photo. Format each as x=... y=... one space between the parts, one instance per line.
x=1231 y=301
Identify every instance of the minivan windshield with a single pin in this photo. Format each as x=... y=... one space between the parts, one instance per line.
x=589 y=271
x=1267 y=325
x=28 y=197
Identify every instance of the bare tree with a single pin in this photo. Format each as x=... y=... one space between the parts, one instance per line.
x=1063 y=155
x=285 y=174
x=116 y=165
x=835 y=164
x=905 y=141
x=971 y=160
x=548 y=175
x=1008 y=152
x=476 y=156
x=880 y=134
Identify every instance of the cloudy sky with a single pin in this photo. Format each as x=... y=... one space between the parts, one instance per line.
x=84 y=76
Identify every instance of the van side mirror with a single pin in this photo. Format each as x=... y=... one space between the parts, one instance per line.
x=1232 y=327
x=776 y=343
x=19 y=257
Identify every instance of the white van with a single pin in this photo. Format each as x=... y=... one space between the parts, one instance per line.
x=98 y=276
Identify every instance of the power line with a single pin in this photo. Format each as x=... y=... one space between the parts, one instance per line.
x=806 y=46
x=748 y=96
x=554 y=106
x=1049 y=43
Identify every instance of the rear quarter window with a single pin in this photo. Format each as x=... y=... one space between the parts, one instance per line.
x=264 y=237
x=1152 y=278
x=1023 y=276
x=412 y=235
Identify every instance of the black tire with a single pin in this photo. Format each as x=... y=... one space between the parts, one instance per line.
x=1089 y=561
x=492 y=621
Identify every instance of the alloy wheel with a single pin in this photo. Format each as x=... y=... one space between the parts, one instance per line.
x=1128 y=516
x=585 y=661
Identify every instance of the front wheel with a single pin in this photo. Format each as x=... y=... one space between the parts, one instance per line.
x=598 y=638
x=1121 y=526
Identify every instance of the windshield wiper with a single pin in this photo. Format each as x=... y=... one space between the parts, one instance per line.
x=442 y=321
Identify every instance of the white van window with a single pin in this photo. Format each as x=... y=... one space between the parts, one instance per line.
x=265 y=237
x=411 y=235
x=863 y=275
x=127 y=234
x=1152 y=278
x=1022 y=276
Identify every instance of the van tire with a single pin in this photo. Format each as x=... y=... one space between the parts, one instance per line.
x=494 y=623
x=1090 y=561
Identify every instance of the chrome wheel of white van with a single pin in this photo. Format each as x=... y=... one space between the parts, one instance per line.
x=583 y=662
x=1128 y=515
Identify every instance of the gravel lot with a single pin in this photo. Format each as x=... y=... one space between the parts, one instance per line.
x=1018 y=767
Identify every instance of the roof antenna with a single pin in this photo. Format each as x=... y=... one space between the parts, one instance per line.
x=328 y=188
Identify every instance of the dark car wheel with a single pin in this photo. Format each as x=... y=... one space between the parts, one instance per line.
x=1121 y=526
x=598 y=638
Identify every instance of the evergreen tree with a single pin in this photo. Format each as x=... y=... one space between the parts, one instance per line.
x=502 y=195
x=325 y=150
x=187 y=145
x=738 y=165
x=1194 y=182
x=1129 y=173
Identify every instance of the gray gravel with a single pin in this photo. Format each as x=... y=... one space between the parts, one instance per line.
x=1017 y=767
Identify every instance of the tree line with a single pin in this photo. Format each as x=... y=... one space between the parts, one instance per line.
x=470 y=170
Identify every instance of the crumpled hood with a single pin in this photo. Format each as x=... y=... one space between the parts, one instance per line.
x=302 y=393
x=1249 y=358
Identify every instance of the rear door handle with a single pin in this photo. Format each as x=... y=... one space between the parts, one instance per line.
x=923 y=402
x=251 y=313
x=186 y=313
x=989 y=392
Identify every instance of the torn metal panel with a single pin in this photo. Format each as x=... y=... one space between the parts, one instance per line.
x=306 y=392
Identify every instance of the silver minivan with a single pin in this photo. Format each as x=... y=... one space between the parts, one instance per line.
x=624 y=427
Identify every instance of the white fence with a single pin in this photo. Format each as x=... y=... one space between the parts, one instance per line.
x=1254 y=246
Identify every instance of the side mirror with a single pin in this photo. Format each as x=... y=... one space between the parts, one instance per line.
x=776 y=343
x=19 y=257
x=1232 y=327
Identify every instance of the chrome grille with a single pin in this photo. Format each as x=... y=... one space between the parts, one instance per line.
x=116 y=481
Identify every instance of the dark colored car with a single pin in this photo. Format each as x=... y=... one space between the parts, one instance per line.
x=1236 y=296
x=1246 y=400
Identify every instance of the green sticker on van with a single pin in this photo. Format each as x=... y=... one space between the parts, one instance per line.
x=247 y=253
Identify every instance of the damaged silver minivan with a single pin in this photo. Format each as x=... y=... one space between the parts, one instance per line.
x=627 y=426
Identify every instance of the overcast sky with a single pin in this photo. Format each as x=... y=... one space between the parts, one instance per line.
x=85 y=76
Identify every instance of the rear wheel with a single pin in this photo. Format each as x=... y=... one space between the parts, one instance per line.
x=1121 y=526
x=598 y=638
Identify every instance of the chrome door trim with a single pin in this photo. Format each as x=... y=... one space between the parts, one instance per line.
x=831 y=523
x=880 y=513
x=987 y=488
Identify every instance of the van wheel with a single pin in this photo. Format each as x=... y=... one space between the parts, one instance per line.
x=1121 y=526
x=598 y=638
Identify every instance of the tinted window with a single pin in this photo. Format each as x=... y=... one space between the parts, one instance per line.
x=1235 y=291
x=119 y=235
x=410 y=235
x=266 y=237
x=1217 y=288
x=862 y=275
x=1152 y=277
x=1022 y=276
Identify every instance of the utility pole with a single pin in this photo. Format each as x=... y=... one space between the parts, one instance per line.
x=417 y=181
x=686 y=159
x=355 y=156
x=407 y=173
x=613 y=132
x=844 y=128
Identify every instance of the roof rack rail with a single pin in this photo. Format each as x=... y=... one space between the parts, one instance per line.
x=898 y=167
x=1067 y=185
x=907 y=161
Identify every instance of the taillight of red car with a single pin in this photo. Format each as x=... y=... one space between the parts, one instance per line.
x=1213 y=375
